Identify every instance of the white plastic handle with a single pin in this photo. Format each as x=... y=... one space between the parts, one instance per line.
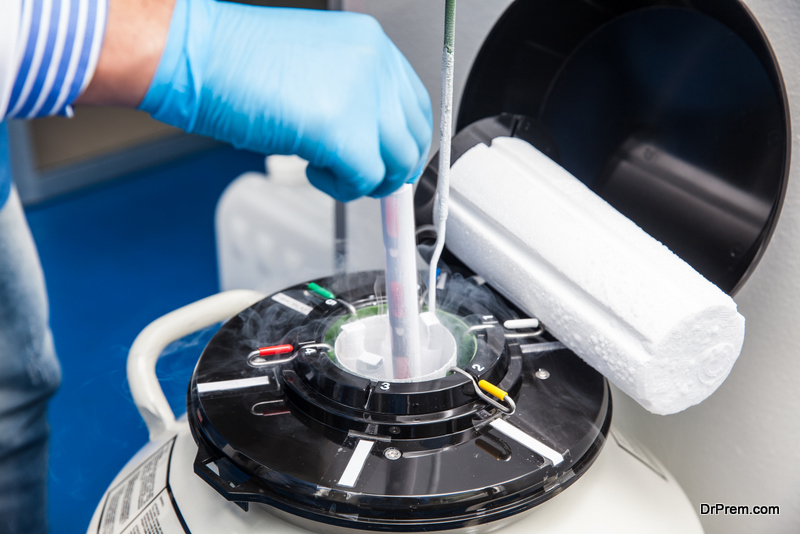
x=151 y=342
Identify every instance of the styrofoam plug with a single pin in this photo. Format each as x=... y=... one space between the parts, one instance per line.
x=611 y=293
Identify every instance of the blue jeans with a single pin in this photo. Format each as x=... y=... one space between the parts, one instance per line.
x=29 y=375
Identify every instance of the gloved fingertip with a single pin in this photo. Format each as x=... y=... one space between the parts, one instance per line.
x=388 y=186
x=419 y=89
x=322 y=179
x=427 y=112
x=381 y=193
x=415 y=176
x=333 y=186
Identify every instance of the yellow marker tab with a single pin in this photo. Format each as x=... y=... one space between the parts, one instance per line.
x=492 y=390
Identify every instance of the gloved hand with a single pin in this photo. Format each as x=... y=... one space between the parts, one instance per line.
x=328 y=86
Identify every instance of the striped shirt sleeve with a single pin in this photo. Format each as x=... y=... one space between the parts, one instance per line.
x=58 y=45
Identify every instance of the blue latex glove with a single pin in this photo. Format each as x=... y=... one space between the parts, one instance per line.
x=328 y=86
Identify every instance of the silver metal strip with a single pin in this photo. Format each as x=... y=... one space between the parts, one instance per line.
x=224 y=385
x=549 y=346
x=356 y=463
x=527 y=440
x=294 y=304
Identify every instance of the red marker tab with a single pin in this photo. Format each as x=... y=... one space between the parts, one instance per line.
x=275 y=349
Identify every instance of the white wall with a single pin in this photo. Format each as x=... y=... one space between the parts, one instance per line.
x=741 y=446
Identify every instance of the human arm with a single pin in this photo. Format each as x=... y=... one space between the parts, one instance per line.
x=48 y=52
x=327 y=86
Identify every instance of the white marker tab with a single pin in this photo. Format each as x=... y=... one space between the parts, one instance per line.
x=516 y=324
x=356 y=463
x=527 y=440
x=224 y=385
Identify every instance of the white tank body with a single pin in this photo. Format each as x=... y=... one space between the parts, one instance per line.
x=626 y=491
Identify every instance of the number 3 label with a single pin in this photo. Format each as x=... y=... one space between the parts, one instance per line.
x=385 y=386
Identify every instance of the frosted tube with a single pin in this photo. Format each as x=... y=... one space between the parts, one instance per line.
x=397 y=211
x=445 y=134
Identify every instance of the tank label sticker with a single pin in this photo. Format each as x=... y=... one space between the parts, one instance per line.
x=140 y=503
x=158 y=517
x=294 y=304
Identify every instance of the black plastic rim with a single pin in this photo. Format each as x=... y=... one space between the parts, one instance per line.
x=285 y=443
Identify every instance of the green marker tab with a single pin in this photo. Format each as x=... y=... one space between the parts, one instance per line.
x=321 y=291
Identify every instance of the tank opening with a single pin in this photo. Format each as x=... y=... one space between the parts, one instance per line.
x=363 y=346
x=675 y=112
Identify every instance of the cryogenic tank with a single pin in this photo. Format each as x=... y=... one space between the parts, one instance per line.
x=306 y=442
x=282 y=436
